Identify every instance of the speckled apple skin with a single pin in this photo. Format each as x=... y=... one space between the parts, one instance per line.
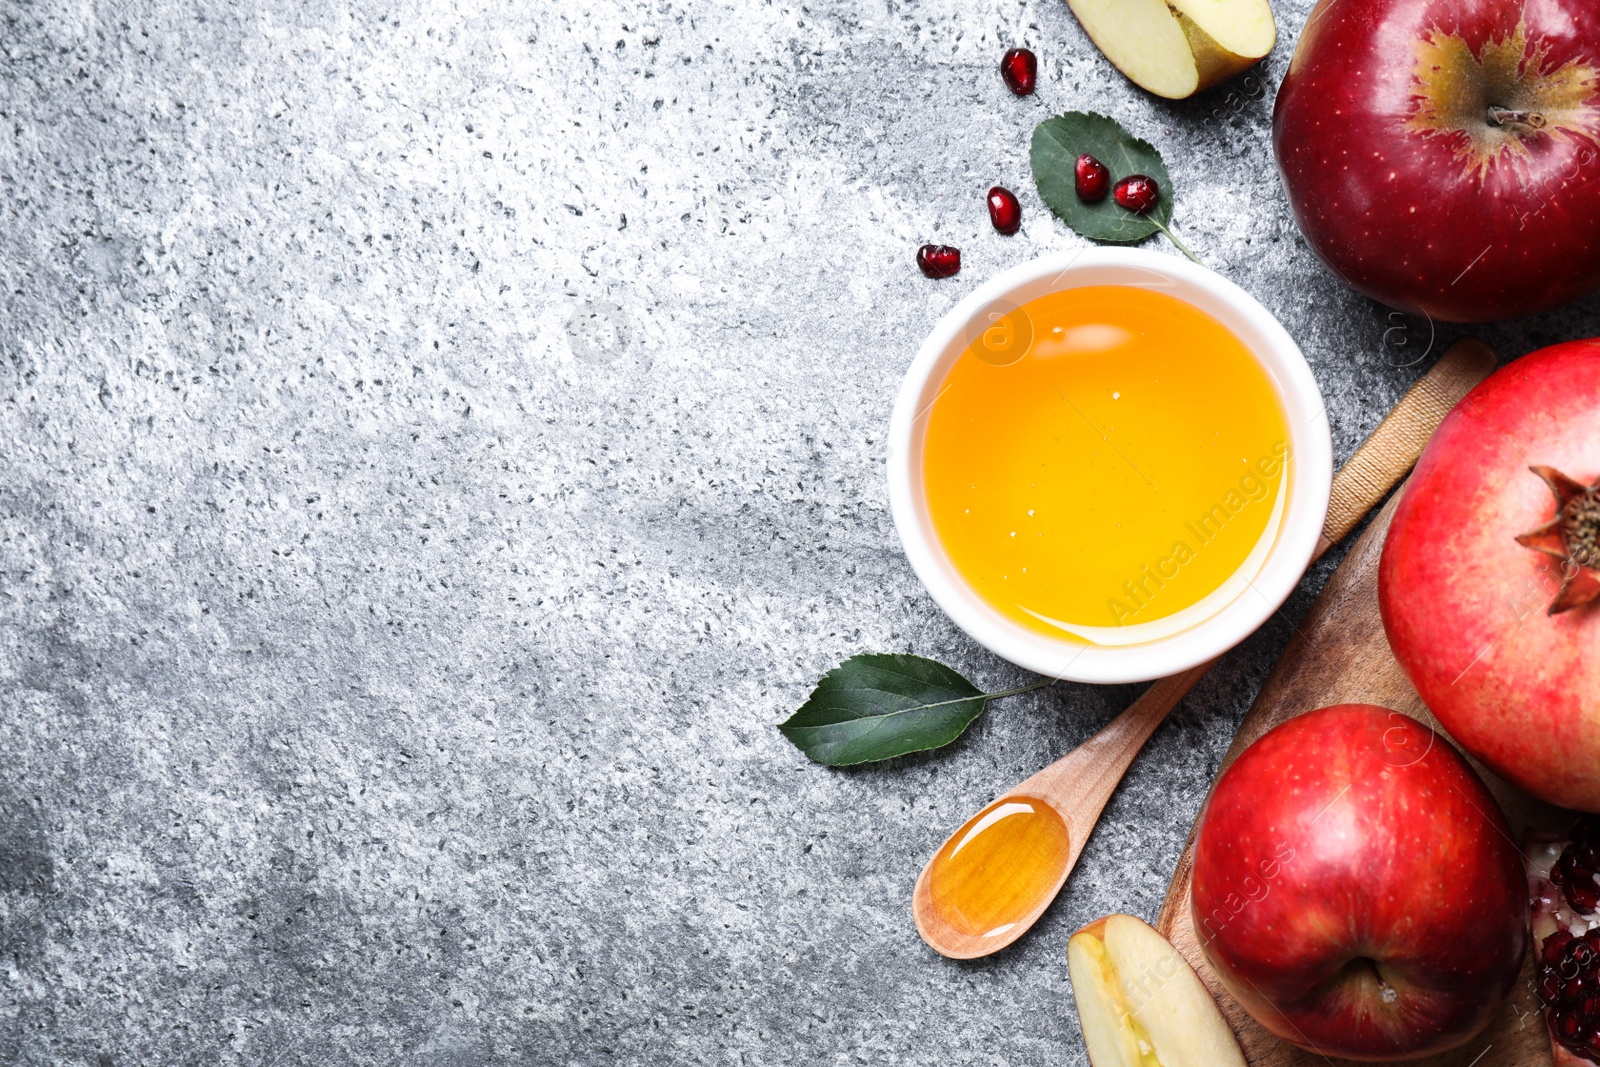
x=1464 y=604
x=1352 y=833
x=1397 y=213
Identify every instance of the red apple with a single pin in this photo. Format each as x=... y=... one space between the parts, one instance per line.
x=1356 y=887
x=1443 y=156
x=1491 y=602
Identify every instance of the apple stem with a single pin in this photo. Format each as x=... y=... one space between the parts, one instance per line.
x=1174 y=239
x=1499 y=116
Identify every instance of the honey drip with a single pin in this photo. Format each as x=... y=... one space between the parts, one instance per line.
x=994 y=871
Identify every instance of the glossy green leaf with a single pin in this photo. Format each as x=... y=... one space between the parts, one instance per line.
x=1057 y=144
x=874 y=707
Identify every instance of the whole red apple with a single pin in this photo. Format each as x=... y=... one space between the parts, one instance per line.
x=1356 y=887
x=1443 y=156
x=1491 y=600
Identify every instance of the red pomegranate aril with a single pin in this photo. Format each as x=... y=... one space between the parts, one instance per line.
x=1567 y=978
x=1020 y=69
x=1138 y=192
x=1004 y=211
x=939 y=261
x=1091 y=179
x=1582 y=892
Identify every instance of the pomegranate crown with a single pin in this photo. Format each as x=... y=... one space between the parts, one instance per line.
x=1573 y=537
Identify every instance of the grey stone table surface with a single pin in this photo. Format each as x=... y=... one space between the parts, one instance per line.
x=441 y=440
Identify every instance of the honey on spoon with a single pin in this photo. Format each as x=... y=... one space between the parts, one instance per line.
x=992 y=872
x=993 y=878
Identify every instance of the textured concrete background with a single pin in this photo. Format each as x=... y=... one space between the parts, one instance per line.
x=442 y=439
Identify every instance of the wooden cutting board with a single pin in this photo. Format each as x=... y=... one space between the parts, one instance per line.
x=1339 y=655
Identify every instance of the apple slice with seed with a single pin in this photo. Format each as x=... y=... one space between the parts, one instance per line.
x=1179 y=49
x=1140 y=1003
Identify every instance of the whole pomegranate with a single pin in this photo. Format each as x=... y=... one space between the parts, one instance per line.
x=1490 y=579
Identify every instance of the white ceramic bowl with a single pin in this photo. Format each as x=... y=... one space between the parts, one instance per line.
x=1225 y=620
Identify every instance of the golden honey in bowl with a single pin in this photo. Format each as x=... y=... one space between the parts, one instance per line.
x=1106 y=464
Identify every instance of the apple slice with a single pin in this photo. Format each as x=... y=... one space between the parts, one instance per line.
x=1177 y=50
x=1140 y=1003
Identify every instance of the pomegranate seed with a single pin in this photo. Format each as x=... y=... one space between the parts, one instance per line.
x=1020 y=69
x=1091 y=179
x=1581 y=891
x=1568 y=985
x=1138 y=192
x=939 y=261
x=1004 y=211
x=1549 y=986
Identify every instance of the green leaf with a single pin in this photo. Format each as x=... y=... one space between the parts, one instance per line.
x=873 y=707
x=1057 y=144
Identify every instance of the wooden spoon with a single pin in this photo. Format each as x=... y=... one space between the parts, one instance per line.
x=1078 y=785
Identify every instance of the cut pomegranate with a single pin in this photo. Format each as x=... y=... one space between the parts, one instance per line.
x=1575 y=871
x=1091 y=179
x=1554 y=946
x=1004 y=211
x=1576 y=882
x=1138 y=192
x=939 y=261
x=1566 y=927
x=1020 y=69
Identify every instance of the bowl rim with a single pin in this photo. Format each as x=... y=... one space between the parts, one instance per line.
x=1311 y=473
